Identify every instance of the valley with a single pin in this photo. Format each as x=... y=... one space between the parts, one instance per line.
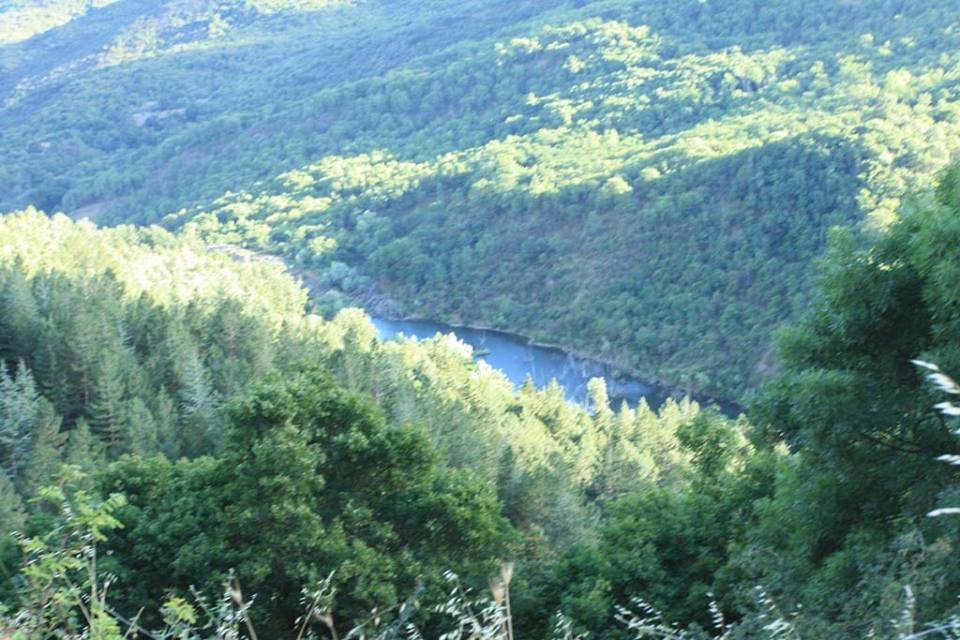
x=220 y=219
x=646 y=184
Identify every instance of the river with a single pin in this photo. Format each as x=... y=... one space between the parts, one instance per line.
x=517 y=358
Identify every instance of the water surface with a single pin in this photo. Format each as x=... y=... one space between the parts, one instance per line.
x=517 y=358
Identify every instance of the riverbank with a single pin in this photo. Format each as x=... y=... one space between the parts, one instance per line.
x=519 y=356
x=383 y=308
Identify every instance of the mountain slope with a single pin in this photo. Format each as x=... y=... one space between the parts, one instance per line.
x=644 y=182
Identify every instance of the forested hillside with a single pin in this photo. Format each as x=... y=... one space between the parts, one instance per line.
x=202 y=436
x=646 y=182
x=212 y=443
x=139 y=346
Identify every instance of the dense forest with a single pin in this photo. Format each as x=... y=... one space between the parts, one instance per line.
x=672 y=168
x=137 y=346
x=208 y=439
x=203 y=437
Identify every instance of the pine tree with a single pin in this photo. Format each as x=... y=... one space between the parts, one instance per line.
x=141 y=427
x=358 y=339
x=12 y=517
x=83 y=449
x=20 y=318
x=50 y=365
x=47 y=442
x=164 y=411
x=199 y=406
x=622 y=465
x=656 y=435
x=12 y=521
x=107 y=415
x=18 y=417
x=85 y=344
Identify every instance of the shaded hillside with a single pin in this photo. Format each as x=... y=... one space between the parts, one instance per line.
x=644 y=182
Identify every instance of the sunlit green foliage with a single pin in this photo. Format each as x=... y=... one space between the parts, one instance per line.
x=136 y=334
x=410 y=458
x=647 y=181
x=23 y=19
x=134 y=343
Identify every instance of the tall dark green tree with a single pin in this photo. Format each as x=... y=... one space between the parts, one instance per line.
x=312 y=480
x=851 y=404
x=19 y=408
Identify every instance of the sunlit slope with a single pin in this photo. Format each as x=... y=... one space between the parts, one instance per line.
x=647 y=182
x=95 y=108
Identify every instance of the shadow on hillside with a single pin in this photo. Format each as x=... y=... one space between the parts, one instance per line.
x=353 y=48
x=67 y=45
x=690 y=271
x=296 y=67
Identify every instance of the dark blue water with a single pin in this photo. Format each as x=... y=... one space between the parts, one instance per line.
x=517 y=359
